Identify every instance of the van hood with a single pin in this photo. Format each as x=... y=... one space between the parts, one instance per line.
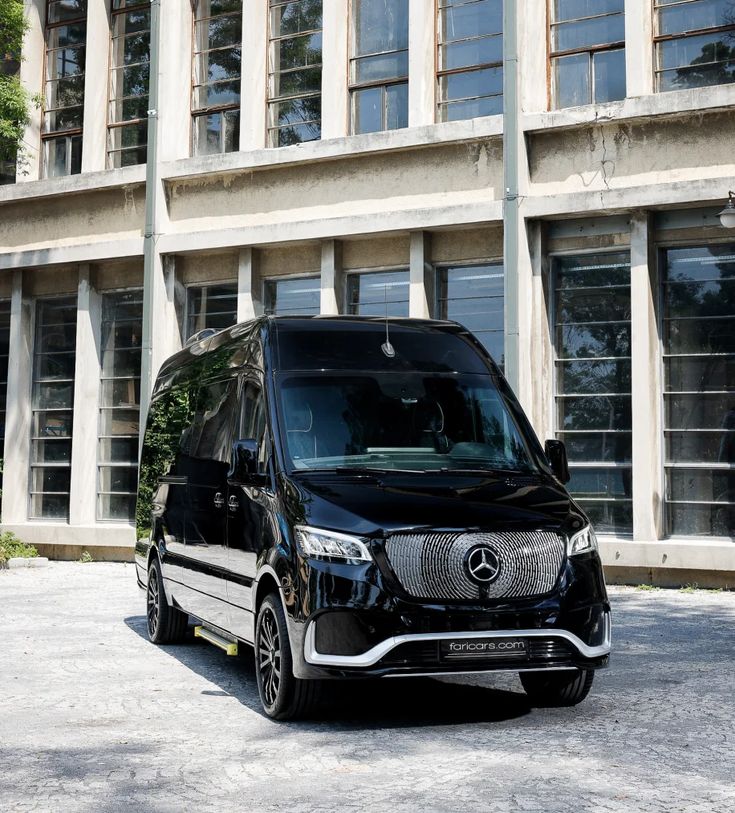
x=370 y=504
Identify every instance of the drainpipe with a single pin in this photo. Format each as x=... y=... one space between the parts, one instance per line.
x=152 y=182
x=511 y=214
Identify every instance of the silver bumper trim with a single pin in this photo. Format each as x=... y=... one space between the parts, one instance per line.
x=372 y=656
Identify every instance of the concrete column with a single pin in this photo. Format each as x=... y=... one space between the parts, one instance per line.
x=421 y=62
x=638 y=48
x=254 y=74
x=96 y=83
x=646 y=384
x=175 y=307
x=526 y=287
x=541 y=349
x=421 y=276
x=174 y=93
x=335 y=98
x=534 y=80
x=249 y=286
x=31 y=76
x=83 y=497
x=18 y=410
x=332 y=278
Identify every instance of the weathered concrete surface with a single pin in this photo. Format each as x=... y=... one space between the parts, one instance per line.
x=94 y=718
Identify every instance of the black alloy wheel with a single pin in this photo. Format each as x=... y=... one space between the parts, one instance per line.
x=166 y=624
x=283 y=696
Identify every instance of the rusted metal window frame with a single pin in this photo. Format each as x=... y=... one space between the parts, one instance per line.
x=125 y=7
x=441 y=103
x=272 y=101
x=210 y=110
x=68 y=134
x=660 y=38
x=590 y=49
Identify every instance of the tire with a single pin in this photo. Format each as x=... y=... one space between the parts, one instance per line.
x=166 y=624
x=554 y=689
x=283 y=696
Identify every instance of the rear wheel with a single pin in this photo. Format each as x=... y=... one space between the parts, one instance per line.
x=284 y=697
x=565 y=688
x=166 y=624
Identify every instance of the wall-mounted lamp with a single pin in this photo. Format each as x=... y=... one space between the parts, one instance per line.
x=727 y=215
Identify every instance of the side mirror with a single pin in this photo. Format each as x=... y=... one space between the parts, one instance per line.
x=556 y=453
x=244 y=468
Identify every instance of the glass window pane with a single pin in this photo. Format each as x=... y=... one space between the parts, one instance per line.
x=294 y=18
x=572 y=80
x=469 y=53
x=471 y=108
x=215 y=66
x=293 y=296
x=463 y=20
x=384 y=66
x=396 y=112
x=59 y=10
x=584 y=33
x=609 y=71
x=368 y=110
x=699 y=61
x=218 y=32
x=380 y=25
x=593 y=388
x=116 y=506
x=571 y=9
x=211 y=306
x=371 y=294
x=472 y=83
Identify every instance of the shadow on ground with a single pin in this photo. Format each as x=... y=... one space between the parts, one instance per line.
x=387 y=703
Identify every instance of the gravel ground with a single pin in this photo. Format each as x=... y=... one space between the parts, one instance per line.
x=94 y=718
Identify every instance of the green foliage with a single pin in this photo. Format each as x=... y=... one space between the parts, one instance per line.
x=86 y=557
x=647 y=587
x=12 y=547
x=15 y=101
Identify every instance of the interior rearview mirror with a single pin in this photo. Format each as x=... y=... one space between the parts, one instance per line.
x=556 y=454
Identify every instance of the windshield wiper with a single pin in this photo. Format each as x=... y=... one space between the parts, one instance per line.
x=375 y=470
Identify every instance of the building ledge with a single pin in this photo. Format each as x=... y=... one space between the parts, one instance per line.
x=73 y=184
x=671 y=103
x=330 y=149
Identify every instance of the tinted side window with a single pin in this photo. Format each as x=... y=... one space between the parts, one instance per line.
x=212 y=428
x=252 y=420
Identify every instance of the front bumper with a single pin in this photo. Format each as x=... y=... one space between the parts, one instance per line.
x=421 y=653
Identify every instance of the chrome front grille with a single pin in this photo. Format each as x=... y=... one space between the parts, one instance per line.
x=433 y=565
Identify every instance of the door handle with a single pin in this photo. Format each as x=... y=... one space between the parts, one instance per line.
x=219 y=500
x=233 y=503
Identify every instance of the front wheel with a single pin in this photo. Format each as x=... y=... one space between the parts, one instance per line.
x=551 y=689
x=283 y=696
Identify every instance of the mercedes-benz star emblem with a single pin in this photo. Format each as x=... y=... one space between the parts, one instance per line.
x=482 y=564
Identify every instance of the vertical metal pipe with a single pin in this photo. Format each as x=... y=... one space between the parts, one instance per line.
x=152 y=181
x=511 y=214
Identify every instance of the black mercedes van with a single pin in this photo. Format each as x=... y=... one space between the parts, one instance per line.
x=359 y=497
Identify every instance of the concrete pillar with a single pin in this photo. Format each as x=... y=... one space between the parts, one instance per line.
x=332 y=278
x=421 y=62
x=249 y=286
x=254 y=74
x=541 y=350
x=174 y=92
x=18 y=410
x=646 y=384
x=526 y=288
x=638 y=48
x=533 y=61
x=83 y=497
x=335 y=98
x=421 y=276
x=96 y=84
x=31 y=76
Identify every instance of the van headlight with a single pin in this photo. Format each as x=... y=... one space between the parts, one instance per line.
x=582 y=542
x=319 y=544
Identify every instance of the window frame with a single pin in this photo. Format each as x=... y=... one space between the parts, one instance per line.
x=216 y=109
x=659 y=38
x=661 y=249
x=591 y=50
x=71 y=133
x=270 y=282
x=556 y=430
x=272 y=101
x=112 y=125
x=440 y=103
x=383 y=84
x=357 y=272
x=187 y=307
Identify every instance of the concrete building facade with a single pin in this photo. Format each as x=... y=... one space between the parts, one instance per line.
x=346 y=156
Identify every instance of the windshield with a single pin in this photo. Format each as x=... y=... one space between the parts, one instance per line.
x=398 y=421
